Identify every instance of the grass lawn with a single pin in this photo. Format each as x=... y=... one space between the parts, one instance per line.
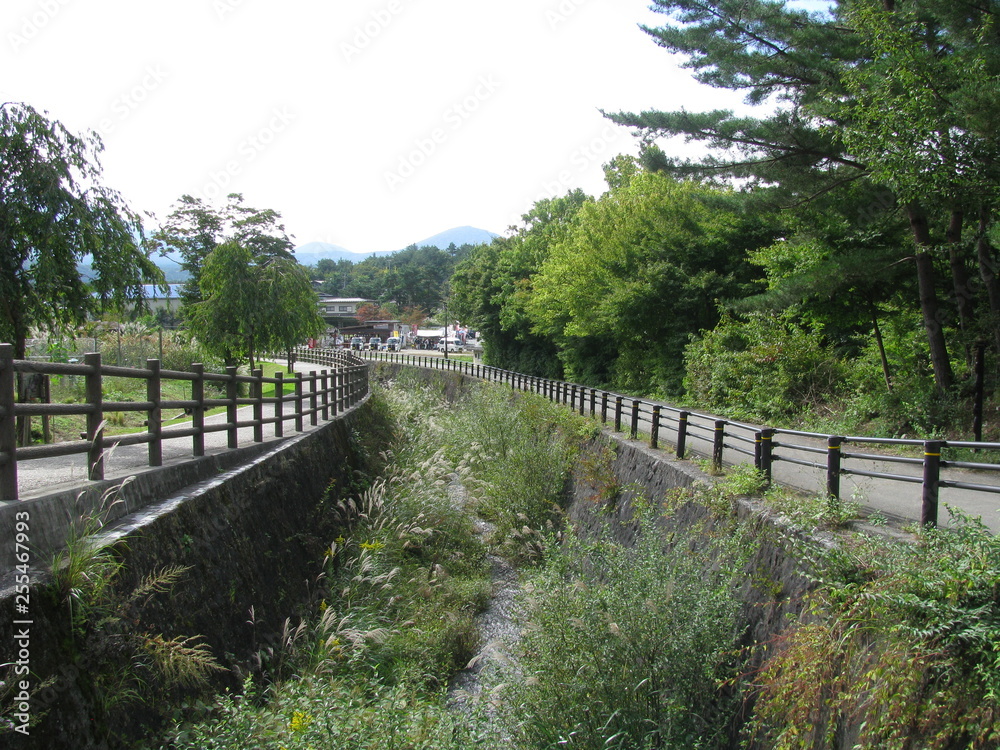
x=70 y=390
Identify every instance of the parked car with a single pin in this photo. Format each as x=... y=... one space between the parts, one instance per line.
x=393 y=344
x=452 y=344
x=358 y=343
x=374 y=343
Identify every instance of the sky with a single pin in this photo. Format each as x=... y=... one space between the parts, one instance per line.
x=368 y=124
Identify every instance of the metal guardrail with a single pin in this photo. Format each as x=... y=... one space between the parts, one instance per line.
x=766 y=446
x=318 y=394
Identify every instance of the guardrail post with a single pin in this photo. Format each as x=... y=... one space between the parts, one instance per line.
x=593 y=402
x=634 y=427
x=232 y=393
x=583 y=400
x=299 y=425
x=604 y=407
x=618 y=413
x=198 y=412
x=766 y=452
x=95 y=418
x=8 y=432
x=154 y=417
x=833 y=459
x=572 y=398
x=258 y=406
x=682 y=433
x=932 y=478
x=279 y=405
x=718 y=443
x=654 y=431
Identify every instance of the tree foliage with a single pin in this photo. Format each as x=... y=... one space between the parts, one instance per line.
x=416 y=277
x=253 y=304
x=194 y=229
x=492 y=286
x=54 y=213
x=639 y=272
x=871 y=98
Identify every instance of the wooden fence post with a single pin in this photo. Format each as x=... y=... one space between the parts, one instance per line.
x=833 y=459
x=718 y=443
x=279 y=405
x=299 y=424
x=198 y=413
x=258 y=406
x=766 y=452
x=8 y=430
x=154 y=417
x=94 y=389
x=931 y=483
x=232 y=393
x=324 y=380
x=682 y=432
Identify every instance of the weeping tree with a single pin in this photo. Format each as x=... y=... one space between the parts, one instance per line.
x=253 y=304
x=55 y=213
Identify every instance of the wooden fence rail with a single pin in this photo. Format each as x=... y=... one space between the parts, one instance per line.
x=323 y=394
x=715 y=438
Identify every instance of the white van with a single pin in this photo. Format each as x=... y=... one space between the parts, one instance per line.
x=452 y=344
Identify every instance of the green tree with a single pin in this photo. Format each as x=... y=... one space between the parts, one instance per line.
x=54 y=213
x=194 y=229
x=864 y=97
x=252 y=305
x=923 y=117
x=640 y=272
x=490 y=287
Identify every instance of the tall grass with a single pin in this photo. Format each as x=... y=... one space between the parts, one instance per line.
x=625 y=647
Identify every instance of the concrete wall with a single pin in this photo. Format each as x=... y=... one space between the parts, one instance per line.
x=251 y=538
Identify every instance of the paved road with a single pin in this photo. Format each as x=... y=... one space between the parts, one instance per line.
x=48 y=475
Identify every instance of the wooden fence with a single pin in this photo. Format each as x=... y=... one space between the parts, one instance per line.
x=316 y=395
x=826 y=457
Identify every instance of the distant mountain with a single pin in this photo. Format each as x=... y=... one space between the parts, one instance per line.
x=312 y=253
x=459 y=236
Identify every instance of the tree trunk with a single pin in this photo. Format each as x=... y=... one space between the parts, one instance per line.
x=929 y=307
x=881 y=349
x=988 y=272
x=959 y=272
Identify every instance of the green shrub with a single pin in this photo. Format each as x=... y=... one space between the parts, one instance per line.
x=625 y=647
x=763 y=368
x=898 y=647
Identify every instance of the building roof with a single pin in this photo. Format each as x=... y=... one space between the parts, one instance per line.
x=152 y=291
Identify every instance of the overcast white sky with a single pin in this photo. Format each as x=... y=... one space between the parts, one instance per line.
x=369 y=124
